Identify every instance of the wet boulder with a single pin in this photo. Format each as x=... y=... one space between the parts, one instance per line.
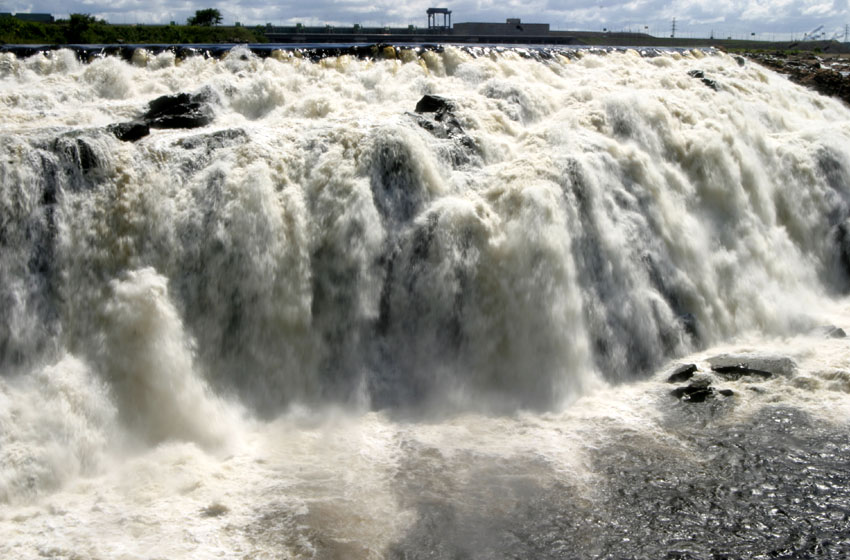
x=700 y=75
x=693 y=393
x=196 y=151
x=688 y=322
x=736 y=366
x=434 y=104
x=682 y=373
x=212 y=141
x=443 y=126
x=130 y=131
x=77 y=152
x=183 y=110
x=81 y=157
x=828 y=82
x=830 y=331
x=699 y=390
x=736 y=372
x=436 y=115
x=442 y=123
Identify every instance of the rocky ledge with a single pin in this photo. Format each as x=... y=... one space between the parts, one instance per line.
x=746 y=367
x=826 y=73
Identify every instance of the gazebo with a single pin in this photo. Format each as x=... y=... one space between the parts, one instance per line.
x=432 y=18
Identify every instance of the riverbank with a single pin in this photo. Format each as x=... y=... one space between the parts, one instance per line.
x=826 y=73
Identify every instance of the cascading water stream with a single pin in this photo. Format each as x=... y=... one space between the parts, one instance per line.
x=558 y=230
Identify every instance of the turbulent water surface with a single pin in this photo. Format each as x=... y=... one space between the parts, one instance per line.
x=327 y=325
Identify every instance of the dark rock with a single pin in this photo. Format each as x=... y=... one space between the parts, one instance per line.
x=828 y=82
x=741 y=60
x=710 y=83
x=699 y=391
x=184 y=110
x=700 y=75
x=830 y=331
x=733 y=373
x=197 y=150
x=397 y=189
x=215 y=509
x=808 y=70
x=841 y=238
x=213 y=140
x=50 y=172
x=433 y=104
x=694 y=393
x=442 y=123
x=689 y=324
x=682 y=373
x=836 y=332
x=78 y=152
x=735 y=366
x=130 y=131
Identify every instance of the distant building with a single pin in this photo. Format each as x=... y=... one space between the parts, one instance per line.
x=513 y=26
x=39 y=18
x=433 y=21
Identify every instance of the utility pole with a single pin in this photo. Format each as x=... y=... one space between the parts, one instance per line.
x=673 y=31
x=845 y=32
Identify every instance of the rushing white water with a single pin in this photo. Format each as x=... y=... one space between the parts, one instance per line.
x=291 y=332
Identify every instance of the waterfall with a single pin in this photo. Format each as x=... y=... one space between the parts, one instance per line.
x=557 y=224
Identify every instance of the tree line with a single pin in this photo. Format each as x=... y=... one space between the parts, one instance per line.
x=204 y=27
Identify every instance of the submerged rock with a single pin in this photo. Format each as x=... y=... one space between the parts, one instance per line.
x=215 y=509
x=440 y=127
x=435 y=114
x=836 y=332
x=211 y=141
x=443 y=123
x=130 y=131
x=682 y=373
x=700 y=75
x=693 y=393
x=735 y=366
x=733 y=373
x=688 y=322
x=830 y=331
x=699 y=390
x=77 y=152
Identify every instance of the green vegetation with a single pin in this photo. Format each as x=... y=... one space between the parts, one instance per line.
x=85 y=29
x=775 y=51
x=207 y=17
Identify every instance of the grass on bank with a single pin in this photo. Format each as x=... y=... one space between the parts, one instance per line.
x=84 y=29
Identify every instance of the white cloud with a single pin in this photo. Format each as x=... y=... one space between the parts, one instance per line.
x=824 y=9
x=693 y=17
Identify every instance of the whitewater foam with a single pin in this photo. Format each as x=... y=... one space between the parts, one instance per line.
x=329 y=326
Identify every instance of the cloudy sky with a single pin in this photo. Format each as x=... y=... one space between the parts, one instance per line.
x=779 y=19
